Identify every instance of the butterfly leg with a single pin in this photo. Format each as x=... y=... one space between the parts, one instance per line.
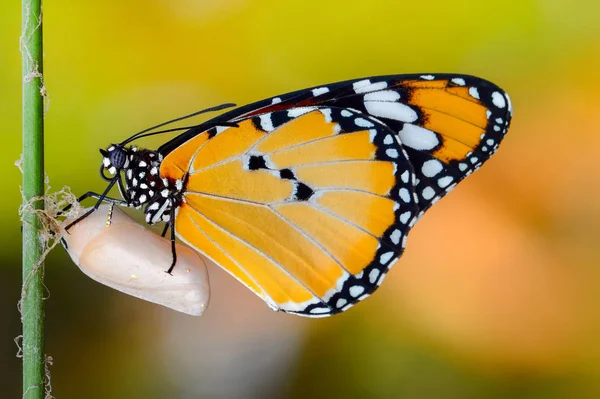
x=171 y=224
x=101 y=198
x=164 y=232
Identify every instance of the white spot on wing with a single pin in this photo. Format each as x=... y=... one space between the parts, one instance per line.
x=320 y=90
x=395 y=236
x=392 y=153
x=498 y=99
x=458 y=81
x=356 y=290
x=391 y=110
x=357 y=86
x=385 y=258
x=405 y=176
x=432 y=167
x=362 y=122
x=220 y=129
x=404 y=217
x=372 y=134
x=296 y=112
x=445 y=181
x=404 y=195
x=368 y=87
x=473 y=92
x=428 y=193
x=373 y=275
x=266 y=123
x=418 y=137
x=384 y=95
x=327 y=114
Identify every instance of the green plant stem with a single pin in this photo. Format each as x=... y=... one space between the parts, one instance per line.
x=32 y=304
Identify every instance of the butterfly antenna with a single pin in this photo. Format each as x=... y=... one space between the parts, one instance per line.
x=211 y=109
x=177 y=129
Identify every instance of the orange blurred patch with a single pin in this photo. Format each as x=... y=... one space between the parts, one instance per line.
x=481 y=284
x=554 y=161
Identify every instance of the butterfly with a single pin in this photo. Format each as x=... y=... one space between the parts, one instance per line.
x=307 y=198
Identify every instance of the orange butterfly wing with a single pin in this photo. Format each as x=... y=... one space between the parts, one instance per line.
x=308 y=202
x=301 y=206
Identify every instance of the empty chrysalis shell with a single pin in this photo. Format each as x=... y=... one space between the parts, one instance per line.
x=113 y=249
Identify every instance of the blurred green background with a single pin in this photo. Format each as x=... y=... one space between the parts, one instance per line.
x=497 y=295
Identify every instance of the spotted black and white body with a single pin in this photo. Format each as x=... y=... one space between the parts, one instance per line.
x=142 y=186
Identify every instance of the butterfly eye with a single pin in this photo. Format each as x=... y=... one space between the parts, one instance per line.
x=118 y=157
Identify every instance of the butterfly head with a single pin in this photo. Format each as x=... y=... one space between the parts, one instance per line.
x=115 y=159
x=139 y=180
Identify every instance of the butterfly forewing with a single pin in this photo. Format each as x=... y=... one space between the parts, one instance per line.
x=449 y=125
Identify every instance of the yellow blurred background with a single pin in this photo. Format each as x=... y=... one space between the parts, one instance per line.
x=498 y=293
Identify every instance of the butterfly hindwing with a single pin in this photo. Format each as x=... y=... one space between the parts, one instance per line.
x=307 y=207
